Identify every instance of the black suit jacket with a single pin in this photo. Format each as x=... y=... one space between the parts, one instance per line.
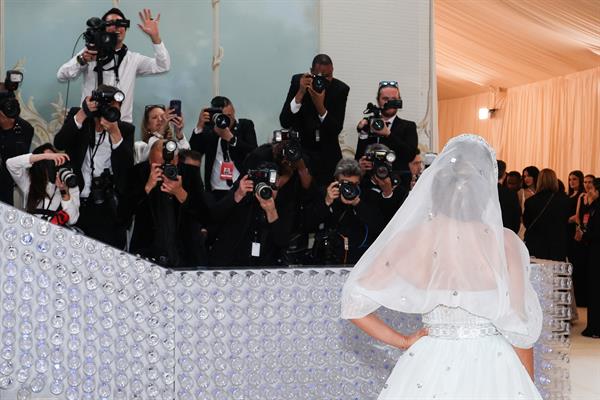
x=13 y=142
x=403 y=140
x=154 y=234
x=76 y=142
x=326 y=152
x=547 y=237
x=206 y=143
x=510 y=207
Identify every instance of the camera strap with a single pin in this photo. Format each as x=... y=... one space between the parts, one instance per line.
x=93 y=148
x=117 y=59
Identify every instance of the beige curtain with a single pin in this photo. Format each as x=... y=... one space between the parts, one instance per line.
x=550 y=124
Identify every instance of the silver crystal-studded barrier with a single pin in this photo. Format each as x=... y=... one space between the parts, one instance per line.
x=80 y=320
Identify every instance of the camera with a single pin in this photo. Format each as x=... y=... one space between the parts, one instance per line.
x=382 y=162
x=291 y=149
x=104 y=98
x=97 y=39
x=329 y=248
x=9 y=104
x=217 y=118
x=64 y=172
x=169 y=170
x=376 y=122
x=349 y=190
x=102 y=189
x=265 y=181
x=319 y=83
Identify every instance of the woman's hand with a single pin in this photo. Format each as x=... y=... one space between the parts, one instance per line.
x=411 y=339
x=376 y=328
x=58 y=158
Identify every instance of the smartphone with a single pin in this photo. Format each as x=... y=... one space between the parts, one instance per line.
x=176 y=105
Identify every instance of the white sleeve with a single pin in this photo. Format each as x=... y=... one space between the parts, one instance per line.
x=295 y=107
x=71 y=206
x=17 y=167
x=160 y=63
x=70 y=70
x=183 y=144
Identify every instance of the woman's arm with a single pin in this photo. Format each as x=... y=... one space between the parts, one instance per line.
x=376 y=328
x=526 y=357
x=17 y=167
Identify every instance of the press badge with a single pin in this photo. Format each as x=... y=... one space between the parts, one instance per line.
x=227 y=170
x=317 y=136
x=255 y=252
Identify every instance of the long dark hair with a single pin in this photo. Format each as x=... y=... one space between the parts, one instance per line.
x=532 y=172
x=38 y=178
x=579 y=176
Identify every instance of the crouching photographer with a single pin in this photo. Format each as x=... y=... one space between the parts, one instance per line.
x=348 y=222
x=382 y=186
x=100 y=147
x=170 y=211
x=48 y=183
x=255 y=223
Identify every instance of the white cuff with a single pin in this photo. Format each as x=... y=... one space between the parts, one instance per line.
x=295 y=107
x=323 y=117
x=77 y=123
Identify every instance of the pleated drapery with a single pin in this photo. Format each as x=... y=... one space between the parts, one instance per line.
x=550 y=124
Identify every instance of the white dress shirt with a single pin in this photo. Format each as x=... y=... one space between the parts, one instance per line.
x=133 y=64
x=215 y=176
x=101 y=158
x=18 y=167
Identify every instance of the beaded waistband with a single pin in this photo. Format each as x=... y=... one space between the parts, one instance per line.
x=444 y=331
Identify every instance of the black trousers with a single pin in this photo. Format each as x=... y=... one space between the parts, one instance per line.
x=100 y=222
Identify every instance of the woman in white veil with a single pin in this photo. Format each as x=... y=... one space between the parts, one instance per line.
x=446 y=255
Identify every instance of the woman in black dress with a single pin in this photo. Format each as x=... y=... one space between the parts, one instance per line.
x=575 y=249
x=591 y=235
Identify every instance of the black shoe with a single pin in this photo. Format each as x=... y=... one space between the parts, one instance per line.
x=589 y=334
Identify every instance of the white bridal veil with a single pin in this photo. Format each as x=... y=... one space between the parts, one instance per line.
x=446 y=245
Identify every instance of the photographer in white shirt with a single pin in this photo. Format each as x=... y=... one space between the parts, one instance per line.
x=129 y=63
x=45 y=196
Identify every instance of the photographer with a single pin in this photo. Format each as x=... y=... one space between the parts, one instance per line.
x=350 y=221
x=315 y=107
x=15 y=133
x=380 y=185
x=256 y=217
x=157 y=125
x=170 y=210
x=398 y=134
x=116 y=65
x=48 y=183
x=225 y=142
x=100 y=148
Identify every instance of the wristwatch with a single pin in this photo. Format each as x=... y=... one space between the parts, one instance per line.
x=233 y=141
x=80 y=60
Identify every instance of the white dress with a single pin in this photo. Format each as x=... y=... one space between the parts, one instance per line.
x=463 y=358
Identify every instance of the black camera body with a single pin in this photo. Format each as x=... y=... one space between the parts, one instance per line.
x=349 y=190
x=319 y=83
x=102 y=189
x=97 y=39
x=106 y=110
x=382 y=162
x=64 y=172
x=291 y=149
x=374 y=116
x=265 y=181
x=9 y=104
x=217 y=118
x=170 y=171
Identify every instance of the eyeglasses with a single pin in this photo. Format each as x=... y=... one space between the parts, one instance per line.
x=388 y=83
x=149 y=107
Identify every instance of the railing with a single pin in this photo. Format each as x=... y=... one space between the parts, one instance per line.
x=80 y=320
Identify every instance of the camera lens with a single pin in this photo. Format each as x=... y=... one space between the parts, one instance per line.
x=382 y=171
x=377 y=124
x=67 y=177
x=111 y=114
x=264 y=190
x=319 y=83
x=292 y=151
x=10 y=107
x=349 y=191
x=221 y=120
